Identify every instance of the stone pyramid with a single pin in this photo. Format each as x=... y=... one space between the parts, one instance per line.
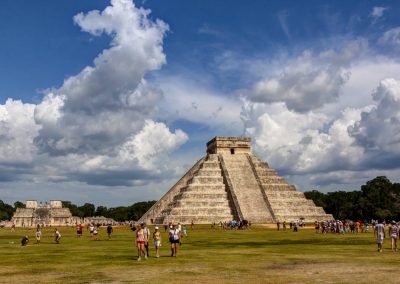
x=230 y=183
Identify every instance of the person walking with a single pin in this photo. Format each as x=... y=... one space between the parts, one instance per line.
x=379 y=232
x=38 y=235
x=174 y=239
x=157 y=241
x=109 y=231
x=146 y=231
x=140 y=240
x=57 y=236
x=394 y=235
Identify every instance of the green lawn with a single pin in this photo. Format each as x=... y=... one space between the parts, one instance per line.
x=258 y=255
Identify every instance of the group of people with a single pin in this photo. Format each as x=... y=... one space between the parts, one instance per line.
x=293 y=225
x=342 y=227
x=233 y=224
x=143 y=236
x=38 y=235
x=380 y=234
x=93 y=230
x=355 y=227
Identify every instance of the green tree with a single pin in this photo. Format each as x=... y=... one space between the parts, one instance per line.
x=19 y=204
x=101 y=211
x=6 y=211
x=87 y=209
x=75 y=211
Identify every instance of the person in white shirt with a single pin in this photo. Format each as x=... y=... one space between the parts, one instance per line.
x=379 y=232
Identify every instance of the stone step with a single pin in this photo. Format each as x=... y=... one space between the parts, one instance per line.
x=284 y=194
x=212 y=157
x=278 y=187
x=209 y=173
x=288 y=203
x=204 y=191
x=267 y=172
x=273 y=180
x=187 y=219
x=206 y=211
x=200 y=188
x=222 y=203
x=206 y=180
x=259 y=163
x=205 y=196
x=211 y=165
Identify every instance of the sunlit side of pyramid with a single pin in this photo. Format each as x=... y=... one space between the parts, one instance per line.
x=230 y=183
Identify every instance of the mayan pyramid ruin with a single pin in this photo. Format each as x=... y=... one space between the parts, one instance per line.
x=230 y=183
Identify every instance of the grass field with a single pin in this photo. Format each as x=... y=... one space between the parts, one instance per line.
x=259 y=255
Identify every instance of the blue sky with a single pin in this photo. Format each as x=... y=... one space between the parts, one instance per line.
x=314 y=83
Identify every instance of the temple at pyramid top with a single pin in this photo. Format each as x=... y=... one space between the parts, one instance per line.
x=230 y=183
x=231 y=145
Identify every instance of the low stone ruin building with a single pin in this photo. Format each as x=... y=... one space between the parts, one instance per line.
x=99 y=220
x=52 y=214
x=230 y=183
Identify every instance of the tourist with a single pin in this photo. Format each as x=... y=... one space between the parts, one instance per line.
x=109 y=231
x=95 y=234
x=91 y=229
x=146 y=231
x=324 y=226
x=78 y=231
x=13 y=227
x=174 y=239
x=316 y=227
x=394 y=235
x=165 y=227
x=358 y=225
x=379 y=232
x=57 y=236
x=295 y=227
x=24 y=241
x=192 y=225
x=352 y=227
x=38 y=235
x=278 y=226
x=184 y=231
x=157 y=241
x=140 y=240
x=284 y=225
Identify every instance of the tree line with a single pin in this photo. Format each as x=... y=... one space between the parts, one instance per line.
x=379 y=198
x=120 y=213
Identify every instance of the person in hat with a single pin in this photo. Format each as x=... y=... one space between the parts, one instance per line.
x=157 y=241
x=174 y=239
x=394 y=235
